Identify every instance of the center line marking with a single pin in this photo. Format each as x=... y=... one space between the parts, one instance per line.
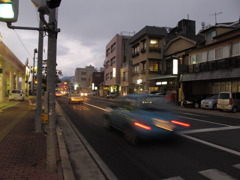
x=205 y=121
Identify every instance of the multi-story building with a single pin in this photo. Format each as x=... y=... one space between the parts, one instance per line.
x=82 y=78
x=117 y=56
x=147 y=54
x=96 y=79
x=181 y=40
x=214 y=66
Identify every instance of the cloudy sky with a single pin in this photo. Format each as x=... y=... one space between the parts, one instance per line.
x=88 y=25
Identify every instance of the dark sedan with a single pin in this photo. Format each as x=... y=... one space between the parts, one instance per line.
x=194 y=100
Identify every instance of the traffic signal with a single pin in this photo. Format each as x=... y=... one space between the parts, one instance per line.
x=53 y=3
x=9 y=10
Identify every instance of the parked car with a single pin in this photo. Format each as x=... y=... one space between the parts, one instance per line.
x=112 y=95
x=75 y=98
x=133 y=116
x=16 y=94
x=229 y=101
x=210 y=102
x=194 y=100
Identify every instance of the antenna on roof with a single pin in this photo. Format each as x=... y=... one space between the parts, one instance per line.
x=216 y=14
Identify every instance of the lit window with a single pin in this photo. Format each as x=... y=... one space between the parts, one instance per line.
x=153 y=66
x=114 y=72
x=175 y=66
x=154 y=43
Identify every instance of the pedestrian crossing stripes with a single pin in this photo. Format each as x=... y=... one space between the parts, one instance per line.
x=215 y=174
x=212 y=174
x=81 y=108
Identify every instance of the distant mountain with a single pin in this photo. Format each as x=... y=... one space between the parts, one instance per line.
x=64 y=78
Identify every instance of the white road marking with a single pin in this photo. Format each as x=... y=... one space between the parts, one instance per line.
x=237 y=166
x=96 y=106
x=215 y=174
x=213 y=145
x=204 y=121
x=174 y=178
x=194 y=114
x=209 y=129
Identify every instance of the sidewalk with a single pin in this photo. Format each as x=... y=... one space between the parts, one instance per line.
x=22 y=151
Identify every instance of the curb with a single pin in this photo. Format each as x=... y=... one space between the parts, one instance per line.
x=66 y=165
x=84 y=160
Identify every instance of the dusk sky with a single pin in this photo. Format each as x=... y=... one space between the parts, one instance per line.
x=87 y=26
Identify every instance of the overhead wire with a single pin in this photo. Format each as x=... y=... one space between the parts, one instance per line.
x=22 y=43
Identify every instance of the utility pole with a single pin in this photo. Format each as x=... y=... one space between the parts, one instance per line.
x=51 y=84
x=33 y=71
x=39 y=77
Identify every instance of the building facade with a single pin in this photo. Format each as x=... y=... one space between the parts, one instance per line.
x=117 y=57
x=12 y=73
x=82 y=78
x=147 y=47
x=214 y=66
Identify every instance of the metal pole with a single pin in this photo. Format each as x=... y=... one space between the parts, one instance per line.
x=39 y=79
x=33 y=72
x=51 y=84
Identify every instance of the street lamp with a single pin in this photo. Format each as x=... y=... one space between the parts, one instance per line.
x=33 y=71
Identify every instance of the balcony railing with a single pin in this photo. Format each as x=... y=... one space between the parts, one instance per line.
x=135 y=55
x=228 y=63
x=153 y=49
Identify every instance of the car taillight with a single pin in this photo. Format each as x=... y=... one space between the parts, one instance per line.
x=142 y=126
x=230 y=101
x=180 y=123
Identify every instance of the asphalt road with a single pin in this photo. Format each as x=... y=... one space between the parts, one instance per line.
x=211 y=145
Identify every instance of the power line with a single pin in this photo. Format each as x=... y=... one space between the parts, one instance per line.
x=23 y=44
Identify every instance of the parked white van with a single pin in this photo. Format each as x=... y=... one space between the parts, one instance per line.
x=229 y=101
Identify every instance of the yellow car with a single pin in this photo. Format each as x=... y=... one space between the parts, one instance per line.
x=75 y=98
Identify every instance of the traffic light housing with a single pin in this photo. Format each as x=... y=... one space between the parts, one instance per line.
x=53 y=3
x=9 y=10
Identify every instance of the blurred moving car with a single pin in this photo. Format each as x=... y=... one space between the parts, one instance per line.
x=16 y=94
x=140 y=117
x=194 y=100
x=112 y=95
x=229 y=101
x=210 y=102
x=83 y=93
x=58 y=93
x=75 y=98
x=92 y=93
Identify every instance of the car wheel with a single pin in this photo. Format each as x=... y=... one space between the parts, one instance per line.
x=196 y=105
x=214 y=107
x=234 y=109
x=130 y=135
x=107 y=123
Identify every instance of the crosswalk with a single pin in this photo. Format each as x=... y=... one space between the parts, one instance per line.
x=212 y=174
x=80 y=107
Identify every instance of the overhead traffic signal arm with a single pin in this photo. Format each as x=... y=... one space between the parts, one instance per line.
x=9 y=10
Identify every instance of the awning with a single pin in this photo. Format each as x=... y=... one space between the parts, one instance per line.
x=164 y=77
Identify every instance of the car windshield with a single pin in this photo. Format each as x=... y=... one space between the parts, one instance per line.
x=224 y=96
x=213 y=97
x=16 y=91
x=142 y=102
x=75 y=95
